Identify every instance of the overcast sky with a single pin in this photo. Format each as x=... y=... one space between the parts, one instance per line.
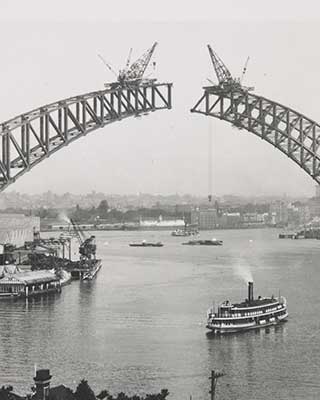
x=49 y=52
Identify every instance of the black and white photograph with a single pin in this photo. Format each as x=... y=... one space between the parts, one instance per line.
x=159 y=200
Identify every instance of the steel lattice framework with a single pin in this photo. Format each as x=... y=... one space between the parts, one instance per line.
x=289 y=131
x=31 y=137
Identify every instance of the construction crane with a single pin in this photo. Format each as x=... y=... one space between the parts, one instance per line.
x=132 y=75
x=87 y=248
x=225 y=79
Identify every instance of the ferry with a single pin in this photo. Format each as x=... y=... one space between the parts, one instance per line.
x=144 y=243
x=250 y=314
x=204 y=242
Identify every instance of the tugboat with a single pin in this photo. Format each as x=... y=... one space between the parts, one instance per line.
x=204 y=242
x=144 y=243
x=250 y=314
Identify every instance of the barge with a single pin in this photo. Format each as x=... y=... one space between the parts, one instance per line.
x=249 y=314
x=146 y=244
x=204 y=242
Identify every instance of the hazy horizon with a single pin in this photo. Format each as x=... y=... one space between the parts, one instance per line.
x=166 y=195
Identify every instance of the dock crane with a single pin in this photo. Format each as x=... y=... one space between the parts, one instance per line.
x=88 y=247
x=132 y=75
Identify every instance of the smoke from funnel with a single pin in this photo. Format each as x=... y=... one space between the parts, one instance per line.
x=243 y=272
x=63 y=217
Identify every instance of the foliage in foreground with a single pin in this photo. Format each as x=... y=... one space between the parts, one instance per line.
x=84 y=392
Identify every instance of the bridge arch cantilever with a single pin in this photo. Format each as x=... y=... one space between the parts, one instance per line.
x=289 y=131
x=30 y=138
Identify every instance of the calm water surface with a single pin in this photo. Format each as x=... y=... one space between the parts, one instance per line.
x=140 y=326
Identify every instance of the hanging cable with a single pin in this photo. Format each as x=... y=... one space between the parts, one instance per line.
x=210 y=141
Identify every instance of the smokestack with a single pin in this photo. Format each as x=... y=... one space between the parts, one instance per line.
x=250 y=292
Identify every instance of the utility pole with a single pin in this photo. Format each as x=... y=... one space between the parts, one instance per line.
x=214 y=380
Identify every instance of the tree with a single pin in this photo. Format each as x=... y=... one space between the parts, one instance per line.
x=103 y=208
x=104 y=394
x=5 y=392
x=84 y=391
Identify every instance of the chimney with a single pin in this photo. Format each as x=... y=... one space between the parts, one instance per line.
x=42 y=381
x=250 y=292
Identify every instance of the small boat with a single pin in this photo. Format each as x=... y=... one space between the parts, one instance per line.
x=204 y=242
x=249 y=314
x=144 y=243
x=287 y=235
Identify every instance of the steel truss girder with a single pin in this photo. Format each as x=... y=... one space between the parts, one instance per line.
x=289 y=131
x=29 y=138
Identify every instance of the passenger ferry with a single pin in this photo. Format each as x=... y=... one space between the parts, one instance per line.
x=250 y=314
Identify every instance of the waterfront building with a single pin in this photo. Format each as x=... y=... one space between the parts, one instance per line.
x=28 y=283
x=278 y=212
x=210 y=219
x=230 y=220
x=253 y=219
x=161 y=223
x=17 y=228
x=298 y=214
x=314 y=207
x=66 y=227
x=205 y=219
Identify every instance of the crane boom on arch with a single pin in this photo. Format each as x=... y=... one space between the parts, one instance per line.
x=225 y=79
x=132 y=75
x=222 y=72
x=137 y=69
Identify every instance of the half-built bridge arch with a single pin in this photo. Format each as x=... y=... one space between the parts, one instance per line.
x=289 y=131
x=28 y=139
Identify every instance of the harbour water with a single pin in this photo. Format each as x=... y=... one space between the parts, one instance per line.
x=140 y=326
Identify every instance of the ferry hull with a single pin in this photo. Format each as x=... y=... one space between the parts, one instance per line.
x=227 y=330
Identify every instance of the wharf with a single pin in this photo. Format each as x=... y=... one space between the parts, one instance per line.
x=29 y=283
x=85 y=270
x=308 y=233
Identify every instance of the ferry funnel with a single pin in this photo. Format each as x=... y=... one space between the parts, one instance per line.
x=250 y=292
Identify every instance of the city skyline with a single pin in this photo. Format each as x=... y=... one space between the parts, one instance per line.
x=50 y=200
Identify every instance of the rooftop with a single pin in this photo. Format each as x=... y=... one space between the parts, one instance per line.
x=262 y=301
x=29 y=277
